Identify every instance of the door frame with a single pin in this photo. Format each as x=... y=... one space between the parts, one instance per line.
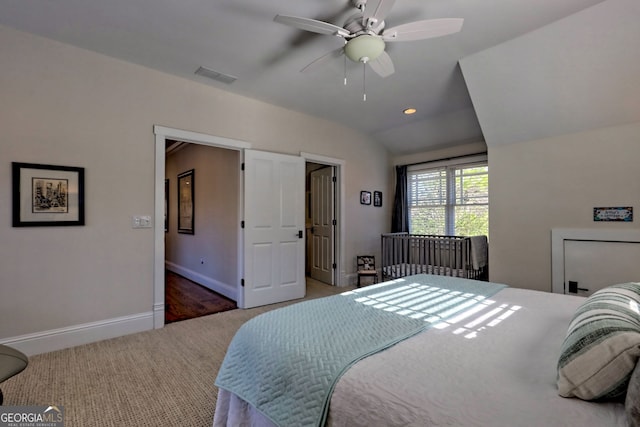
x=340 y=166
x=161 y=135
x=311 y=204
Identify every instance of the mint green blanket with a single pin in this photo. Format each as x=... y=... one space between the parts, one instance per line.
x=286 y=362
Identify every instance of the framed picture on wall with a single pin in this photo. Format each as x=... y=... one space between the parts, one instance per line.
x=186 y=202
x=166 y=205
x=377 y=198
x=624 y=214
x=365 y=197
x=47 y=195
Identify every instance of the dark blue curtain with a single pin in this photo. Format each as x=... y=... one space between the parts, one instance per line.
x=400 y=215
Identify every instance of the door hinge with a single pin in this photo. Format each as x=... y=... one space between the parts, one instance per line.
x=242 y=282
x=242 y=166
x=334 y=179
x=334 y=222
x=241 y=224
x=334 y=266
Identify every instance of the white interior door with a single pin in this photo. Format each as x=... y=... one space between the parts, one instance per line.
x=323 y=228
x=593 y=265
x=274 y=228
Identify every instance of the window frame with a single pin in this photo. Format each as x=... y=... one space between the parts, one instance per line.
x=449 y=166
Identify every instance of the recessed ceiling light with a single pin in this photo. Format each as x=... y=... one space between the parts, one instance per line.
x=409 y=111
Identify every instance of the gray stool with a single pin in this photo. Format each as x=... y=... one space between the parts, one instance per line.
x=12 y=362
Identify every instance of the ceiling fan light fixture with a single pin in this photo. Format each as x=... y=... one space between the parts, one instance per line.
x=364 y=48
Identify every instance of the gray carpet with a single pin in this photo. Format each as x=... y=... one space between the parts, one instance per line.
x=155 y=378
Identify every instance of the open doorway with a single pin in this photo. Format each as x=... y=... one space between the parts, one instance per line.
x=233 y=290
x=321 y=222
x=201 y=242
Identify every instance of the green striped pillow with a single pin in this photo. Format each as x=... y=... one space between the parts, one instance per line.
x=602 y=345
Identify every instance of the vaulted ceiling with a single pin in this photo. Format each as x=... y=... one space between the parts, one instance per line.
x=239 y=38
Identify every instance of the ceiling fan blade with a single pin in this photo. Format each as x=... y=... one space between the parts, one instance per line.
x=324 y=58
x=382 y=65
x=420 y=30
x=312 y=25
x=376 y=13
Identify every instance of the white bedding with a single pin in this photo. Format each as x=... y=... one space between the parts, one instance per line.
x=498 y=372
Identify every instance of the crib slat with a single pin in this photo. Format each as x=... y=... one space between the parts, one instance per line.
x=404 y=254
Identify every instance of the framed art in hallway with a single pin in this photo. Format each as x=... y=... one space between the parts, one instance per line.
x=186 y=185
x=166 y=205
x=47 y=195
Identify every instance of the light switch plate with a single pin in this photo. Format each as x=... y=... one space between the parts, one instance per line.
x=141 y=221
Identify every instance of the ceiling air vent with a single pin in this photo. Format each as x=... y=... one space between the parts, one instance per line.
x=214 y=75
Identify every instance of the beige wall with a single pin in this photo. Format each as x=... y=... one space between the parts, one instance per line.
x=555 y=183
x=209 y=256
x=67 y=106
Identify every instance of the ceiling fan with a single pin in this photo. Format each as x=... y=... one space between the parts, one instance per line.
x=365 y=34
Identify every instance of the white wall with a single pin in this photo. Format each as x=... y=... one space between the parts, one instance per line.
x=555 y=183
x=559 y=108
x=575 y=74
x=67 y=106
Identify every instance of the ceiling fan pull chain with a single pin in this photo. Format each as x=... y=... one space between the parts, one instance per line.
x=345 y=70
x=364 y=81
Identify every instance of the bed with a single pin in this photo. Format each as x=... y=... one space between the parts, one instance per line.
x=483 y=358
x=405 y=254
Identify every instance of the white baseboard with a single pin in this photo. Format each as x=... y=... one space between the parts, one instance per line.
x=158 y=315
x=71 y=336
x=228 y=291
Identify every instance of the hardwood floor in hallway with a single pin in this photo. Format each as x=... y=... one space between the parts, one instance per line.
x=185 y=299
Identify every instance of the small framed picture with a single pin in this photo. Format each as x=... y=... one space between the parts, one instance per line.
x=166 y=205
x=624 y=214
x=365 y=197
x=186 y=192
x=47 y=195
x=377 y=198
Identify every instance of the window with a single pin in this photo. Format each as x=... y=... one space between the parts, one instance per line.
x=449 y=198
